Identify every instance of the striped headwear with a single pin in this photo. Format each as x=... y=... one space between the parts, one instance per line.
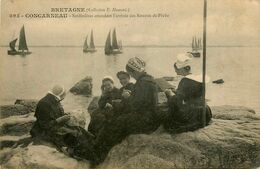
x=136 y=64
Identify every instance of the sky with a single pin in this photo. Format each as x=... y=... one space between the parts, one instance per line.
x=229 y=22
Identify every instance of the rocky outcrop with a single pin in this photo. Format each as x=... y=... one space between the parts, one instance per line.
x=12 y=110
x=10 y=141
x=38 y=157
x=30 y=104
x=226 y=143
x=232 y=140
x=17 y=125
x=83 y=87
x=21 y=107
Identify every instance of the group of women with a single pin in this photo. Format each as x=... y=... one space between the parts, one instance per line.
x=132 y=109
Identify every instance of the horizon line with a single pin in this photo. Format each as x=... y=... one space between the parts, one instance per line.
x=100 y=46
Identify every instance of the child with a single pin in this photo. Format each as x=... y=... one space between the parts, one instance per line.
x=109 y=93
x=126 y=89
x=124 y=79
x=105 y=112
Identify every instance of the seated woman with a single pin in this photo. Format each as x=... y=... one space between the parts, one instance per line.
x=186 y=103
x=50 y=114
x=141 y=117
x=51 y=124
x=106 y=104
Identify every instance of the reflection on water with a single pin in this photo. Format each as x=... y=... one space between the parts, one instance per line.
x=111 y=62
x=33 y=75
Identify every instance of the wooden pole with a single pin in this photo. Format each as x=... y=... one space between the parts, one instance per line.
x=204 y=62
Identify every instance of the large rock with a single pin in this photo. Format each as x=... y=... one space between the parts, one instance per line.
x=29 y=103
x=226 y=143
x=232 y=140
x=13 y=110
x=20 y=107
x=83 y=87
x=17 y=125
x=10 y=141
x=38 y=157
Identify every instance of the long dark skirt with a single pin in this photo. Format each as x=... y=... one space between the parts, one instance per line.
x=120 y=127
x=190 y=119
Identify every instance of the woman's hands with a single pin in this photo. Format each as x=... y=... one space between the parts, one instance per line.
x=108 y=106
x=63 y=119
x=168 y=92
x=126 y=94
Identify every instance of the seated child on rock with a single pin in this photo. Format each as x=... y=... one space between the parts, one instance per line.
x=106 y=108
x=109 y=93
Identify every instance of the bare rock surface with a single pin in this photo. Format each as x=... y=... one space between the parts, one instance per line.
x=226 y=143
x=20 y=107
x=83 y=87
x=232 y=140
x=17 y=125
x=30 y=104
x=39 y=157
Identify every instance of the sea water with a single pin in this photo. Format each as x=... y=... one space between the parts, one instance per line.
x=31 y=76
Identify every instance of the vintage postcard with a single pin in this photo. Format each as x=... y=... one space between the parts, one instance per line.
x=129 y=84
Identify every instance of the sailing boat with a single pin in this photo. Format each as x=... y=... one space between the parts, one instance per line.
x=23 y=48
x=113 y=48
x=91 y=48
x=196 y=46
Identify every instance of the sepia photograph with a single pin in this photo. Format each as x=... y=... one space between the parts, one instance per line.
x=129 y=84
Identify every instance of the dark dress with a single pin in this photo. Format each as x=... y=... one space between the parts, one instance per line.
x=47 y=111
x=129 y=86
x=100 y=115
x=62 y=135
x=141 y=119
x=109 y=97
x=123 y=107
x=186 y=108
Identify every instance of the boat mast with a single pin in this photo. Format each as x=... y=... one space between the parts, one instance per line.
x=192 y=44
x=92 y=40
x=204 y=62
x=114 y=40
x=196 y=44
